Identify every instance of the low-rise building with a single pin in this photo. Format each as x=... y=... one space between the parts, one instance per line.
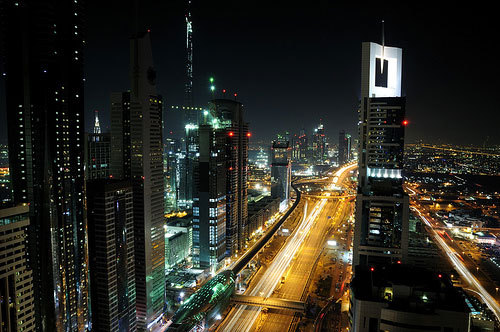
x=403 y=298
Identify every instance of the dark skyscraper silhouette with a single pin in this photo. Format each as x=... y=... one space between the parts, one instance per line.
x=136 y=131
x=111 y=251
x=44 y=41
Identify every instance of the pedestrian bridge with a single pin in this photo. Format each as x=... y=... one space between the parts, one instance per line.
x=269 y=302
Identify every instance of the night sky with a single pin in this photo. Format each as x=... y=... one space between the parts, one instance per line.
x=293 y=64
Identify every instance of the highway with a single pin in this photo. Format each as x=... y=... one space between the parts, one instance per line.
x=299 y=252
x=458 y=262
x=298 y=275
x=460 y=267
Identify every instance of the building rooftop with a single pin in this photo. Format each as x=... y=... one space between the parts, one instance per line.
x=407 y=288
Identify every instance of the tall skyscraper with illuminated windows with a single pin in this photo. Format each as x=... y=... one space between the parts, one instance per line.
x=229 y=114
x=382 y=207
x=97 y=152
x=209 y=203
x=281 y=169
x=43 y=56
x=136 y=139
x=17 y=309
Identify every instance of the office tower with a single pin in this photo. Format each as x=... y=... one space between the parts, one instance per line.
x=403 y=298
x=295 y=144
x=5 y=186
x=344 y=147
x=319 y=146
x=17 y=309
x=229 y=115
x=281 y=170
x=44 y=41
x=111 y=254
x=349 y=147
x=186 y=185
x=170 y=160
x=97 y=153
x=136 y=130
x=120 y=135
x=209 y=206
x=381 y=230
x=303 y=146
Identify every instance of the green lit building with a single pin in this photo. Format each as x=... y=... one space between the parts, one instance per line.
x=205 y=306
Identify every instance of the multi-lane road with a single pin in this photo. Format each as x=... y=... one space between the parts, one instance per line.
x=295 y=262
x=455 y=256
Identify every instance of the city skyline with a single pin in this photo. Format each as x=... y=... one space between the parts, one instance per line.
x=247 y=167
x=312 y=53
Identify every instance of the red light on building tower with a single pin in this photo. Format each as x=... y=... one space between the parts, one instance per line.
x=231 y=133
x=249 y=134
x=405 y=122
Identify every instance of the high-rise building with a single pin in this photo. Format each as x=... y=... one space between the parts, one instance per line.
x=319 y=145
x=97 y=153
x=136 y=131
x=344 y=147
x=44 y=99
x=17 y=309
x=120 y=135
x=209 y=206
x=170 y=161
x=229 y=115
x=111 y=255
x=281 y=170
x=303 y=146
x=382 y=207
x=186 y=185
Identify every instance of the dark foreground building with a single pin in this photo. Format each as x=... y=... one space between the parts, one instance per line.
x=43 y=72
x=402 y=298
x=111 y=249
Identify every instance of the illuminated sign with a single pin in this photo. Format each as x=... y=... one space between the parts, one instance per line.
x=381 y=71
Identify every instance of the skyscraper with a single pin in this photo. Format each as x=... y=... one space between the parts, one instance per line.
x=17 y=309
x=97 y=153
x=229 y=115
x=319 y=145
x=186 y=185
x=111 y=252
x=382 y=207
x=209 y=206
x=344 y=147
x=281 y=170
x=44 y=99
x=136 y=127
x=120 y=135
x=303 y=145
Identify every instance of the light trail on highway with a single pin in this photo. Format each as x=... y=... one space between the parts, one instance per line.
x=242 y=318
x=266 y=285
x=462 y=269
